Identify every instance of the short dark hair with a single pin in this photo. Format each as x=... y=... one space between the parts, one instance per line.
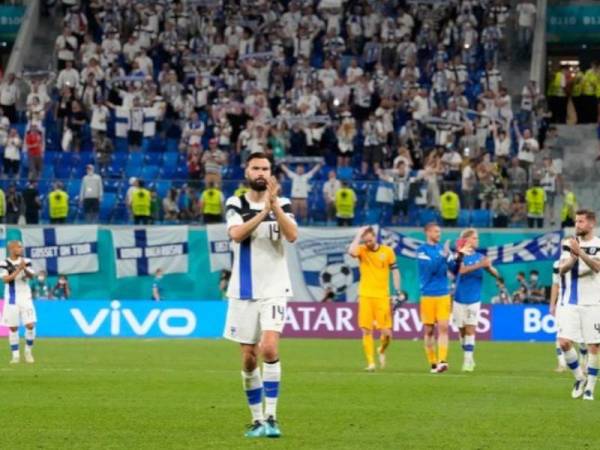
x=533 y=272
x=430 y=225
x=369 y=230
x=521 y=274
x=258 y=155
x=588 y=213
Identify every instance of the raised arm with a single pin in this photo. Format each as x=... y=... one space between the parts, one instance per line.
x=354 y=245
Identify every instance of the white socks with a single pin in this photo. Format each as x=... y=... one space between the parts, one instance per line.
x=254 y=389
x=271 y=380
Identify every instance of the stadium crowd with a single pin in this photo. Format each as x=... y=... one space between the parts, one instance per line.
x=386 y=111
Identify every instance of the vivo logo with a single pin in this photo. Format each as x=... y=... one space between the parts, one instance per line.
x=184 y=326
x=534 y=322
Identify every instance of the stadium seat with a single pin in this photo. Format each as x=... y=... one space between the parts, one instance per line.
x=73 y=188
x=481 y=218
x=107 y=205
x=153 y=159
x=121 y=145
x=133 y=170
x=149 y=173
x=162 y=187
x=464 y=218
x=428 y=215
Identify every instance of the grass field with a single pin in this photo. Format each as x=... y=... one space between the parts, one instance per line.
x=127 y=394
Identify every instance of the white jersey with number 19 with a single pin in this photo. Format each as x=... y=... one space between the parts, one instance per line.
x=260 y=267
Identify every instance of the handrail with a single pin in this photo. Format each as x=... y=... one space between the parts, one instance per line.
x=22 y=45
x=538 y=54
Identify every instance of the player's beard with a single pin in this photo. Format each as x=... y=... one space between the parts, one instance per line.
x=580 y=233
x=259 y=185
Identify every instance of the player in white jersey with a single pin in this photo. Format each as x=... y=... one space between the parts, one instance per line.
x=555 y=293
x=18 y=305
x=579 y=310
x=258 y=223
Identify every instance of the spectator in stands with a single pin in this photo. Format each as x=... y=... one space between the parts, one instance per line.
x=12 y=154
x=213 y=160
x=522 y=293
x=548 y=181
x=58 y=204
x=345 y=137
x=536 y=205
x=32 y=203
x=503 y=297
x=140 y=204
x=75 y=122
x=14 y=205
x=104 y=148
x=171 y=206
x=527 y=12
x=212 y=204
x=518 y=211
x=501 y=210
x=569 y=208
x=66 y=47
x=62 y=289
x=517 y=177
x=68 y=77
x=345 y=204
x=449 y=208
x=537 y=293
x=155 y=207
x=194 y=165
x=34 y=141
x=157 y=285
x=300 y=189
x=90 y=194
x=330 y=189
x=468 y=186
x=9 y=95
x=40 y=288
x=530 y=96
x=189 y=204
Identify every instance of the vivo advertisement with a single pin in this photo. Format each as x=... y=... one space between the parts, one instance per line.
x=205 y=319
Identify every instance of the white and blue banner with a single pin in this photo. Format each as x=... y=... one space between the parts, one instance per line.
x=539 y=248
x=141 y=251
x=219 y=248
x=62 y=250
x=2 y=242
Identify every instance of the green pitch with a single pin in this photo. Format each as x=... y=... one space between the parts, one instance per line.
x=131 y=394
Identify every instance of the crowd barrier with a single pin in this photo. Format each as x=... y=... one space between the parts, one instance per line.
x=206 y=319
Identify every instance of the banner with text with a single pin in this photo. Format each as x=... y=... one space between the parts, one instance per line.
x=141 y=251
x=62 y=250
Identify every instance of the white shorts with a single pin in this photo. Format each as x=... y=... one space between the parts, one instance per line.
x=464 y=314
x=579 y=323
x=21 y=313
x=247 y=319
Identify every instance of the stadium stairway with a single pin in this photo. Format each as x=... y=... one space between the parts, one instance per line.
x=581 y=170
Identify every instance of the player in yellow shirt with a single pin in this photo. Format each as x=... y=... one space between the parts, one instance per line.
x=374 y=302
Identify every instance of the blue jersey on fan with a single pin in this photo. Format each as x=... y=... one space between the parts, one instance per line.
x=468 y=286
x=433 y=270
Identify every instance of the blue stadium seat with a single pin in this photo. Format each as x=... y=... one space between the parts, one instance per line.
x=133 y=170
x=464 y=218
x=62 y=171
x=162 y=187
x=428 y=215
x=153 y=159
x=73 y=188
x=149 y=173
x=481 y=218
x=344 y=173
x=172 y=145
x=107 y=205
x=113 y=186
x=121 y=145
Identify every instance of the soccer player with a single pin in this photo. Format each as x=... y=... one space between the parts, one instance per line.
x=467 y=297
x=434 y=262
x=18 y=305
x=258 y=223
x=554 y=295
x=374 y=308
x=579 y=312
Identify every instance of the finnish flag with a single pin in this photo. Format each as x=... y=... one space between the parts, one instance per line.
x=140 y=251
x=62 y=250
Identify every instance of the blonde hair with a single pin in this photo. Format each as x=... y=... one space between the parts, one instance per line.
x=469 y=232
